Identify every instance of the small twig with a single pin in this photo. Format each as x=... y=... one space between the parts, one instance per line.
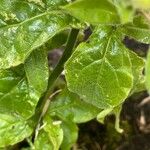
x=142 y=119
x=144 y=101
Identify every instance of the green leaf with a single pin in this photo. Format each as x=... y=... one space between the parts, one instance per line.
x=148 y=72
x=125 y=10
x=54 y=4
x=138 y=64
x=14 y=11
x=13 y=130
x=37 y=71
x=19 y=40
x=70 y=131
x=100 y=71
x=19 y=93
x=43 y=142
x=94 y=11
x=50 y=137
x=17 y=97
x=139 y=29
x=68 y=104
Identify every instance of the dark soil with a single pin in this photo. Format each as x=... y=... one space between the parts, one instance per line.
x=136 y=135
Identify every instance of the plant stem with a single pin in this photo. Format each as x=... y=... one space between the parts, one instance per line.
x=56 y=72
x=59 y=68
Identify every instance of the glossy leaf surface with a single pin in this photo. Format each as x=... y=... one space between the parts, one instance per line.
x=19 y=40
x=100 y=71
x=15 y=11
x=94 y=11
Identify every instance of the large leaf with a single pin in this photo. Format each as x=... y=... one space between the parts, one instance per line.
x=100 y=71
x=13 y=130
x=148 y=72
x=17 y=41
x=94 y=11
x=139 y=29
x=68 y=104
x=50 y=137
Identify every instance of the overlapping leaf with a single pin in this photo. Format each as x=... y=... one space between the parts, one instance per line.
x=26 y=26
x=68 y=104
x=15 y=11
x=139 y=29
x=50 y=137
x=100 y=71
x=94 y=11
x=18 y=41
x=20 y=91
x=18 y=94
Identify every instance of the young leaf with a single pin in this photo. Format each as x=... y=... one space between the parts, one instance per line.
x=94 y=11
x=148 y=72
x=68 y=104
x=139 y=30
x=50 y=137
x=13 y=130
x=100 y=71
